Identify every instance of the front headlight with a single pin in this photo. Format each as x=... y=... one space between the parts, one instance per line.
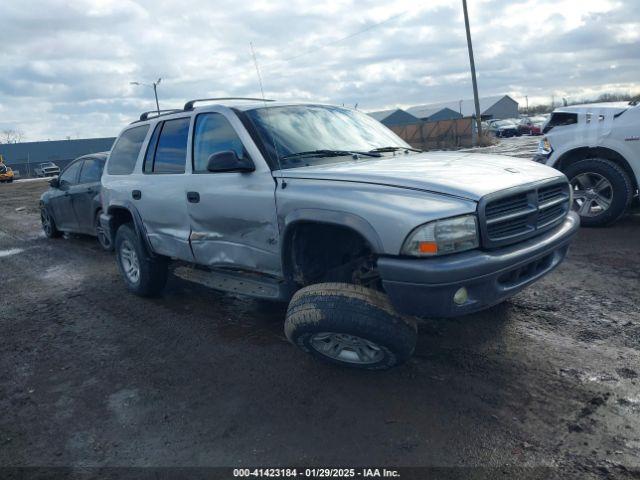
x=442 y=236
x=544 y=147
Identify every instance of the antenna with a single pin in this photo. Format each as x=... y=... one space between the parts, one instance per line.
x=264 y=100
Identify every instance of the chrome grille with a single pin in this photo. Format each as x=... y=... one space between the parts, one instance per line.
x=512 y=216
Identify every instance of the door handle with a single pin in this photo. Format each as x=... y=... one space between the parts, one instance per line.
x=193 y=197
x=136 y=194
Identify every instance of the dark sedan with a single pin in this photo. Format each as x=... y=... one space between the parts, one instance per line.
x=72 y=204
x=504 y=128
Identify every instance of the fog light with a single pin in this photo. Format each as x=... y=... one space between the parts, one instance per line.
x=461 y=296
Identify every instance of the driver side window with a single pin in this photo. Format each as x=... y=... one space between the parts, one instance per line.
x=213 y=134
x=70 y=175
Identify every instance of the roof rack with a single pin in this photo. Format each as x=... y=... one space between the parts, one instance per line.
x=156 y=113
x=189 y=104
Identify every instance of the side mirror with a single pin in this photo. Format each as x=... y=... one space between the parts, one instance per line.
x=228 y=161
x=54 y=182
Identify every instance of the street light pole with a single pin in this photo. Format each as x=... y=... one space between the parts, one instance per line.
x=473 y=69
x=155 y=90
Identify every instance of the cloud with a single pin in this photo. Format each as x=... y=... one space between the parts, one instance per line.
x=66 y=65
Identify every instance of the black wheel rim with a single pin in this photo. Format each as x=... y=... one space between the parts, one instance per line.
x=103 y=239
x=46 y=222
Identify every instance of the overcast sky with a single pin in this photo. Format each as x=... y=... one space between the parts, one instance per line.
x=65 y=65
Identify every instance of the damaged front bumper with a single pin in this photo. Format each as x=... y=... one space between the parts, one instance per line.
x=426 y=287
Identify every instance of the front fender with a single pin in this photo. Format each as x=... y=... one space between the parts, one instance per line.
x=333 y=217
x=383 y=215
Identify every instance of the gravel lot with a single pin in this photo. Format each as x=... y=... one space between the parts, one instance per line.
x=93 y=376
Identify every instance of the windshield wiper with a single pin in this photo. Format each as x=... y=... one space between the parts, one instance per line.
x=394 y=149
x=328 y=153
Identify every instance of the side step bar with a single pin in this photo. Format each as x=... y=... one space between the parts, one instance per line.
x=255 y=286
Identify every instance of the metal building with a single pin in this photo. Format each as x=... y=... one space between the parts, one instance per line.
x=393 y=117
x=24 y=157
x=499 y=106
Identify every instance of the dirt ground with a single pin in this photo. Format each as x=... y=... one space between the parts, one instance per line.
x=93 y=376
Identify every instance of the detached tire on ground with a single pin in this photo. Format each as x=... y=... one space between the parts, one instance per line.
x=349 y=325
x=144 y=275
x=602 y=191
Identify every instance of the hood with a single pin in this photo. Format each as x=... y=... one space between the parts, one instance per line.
x=613 y=107
x=465 y=175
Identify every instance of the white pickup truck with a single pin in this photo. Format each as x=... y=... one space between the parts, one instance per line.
x=597 y=146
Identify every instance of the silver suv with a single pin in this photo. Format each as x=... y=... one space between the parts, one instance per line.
x=326 y=208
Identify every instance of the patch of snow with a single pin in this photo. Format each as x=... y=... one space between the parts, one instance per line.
x=12 y=251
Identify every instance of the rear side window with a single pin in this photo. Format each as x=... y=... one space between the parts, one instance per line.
x=91 y=171
x=171 y=152
x=123 y=157
x=151 y=149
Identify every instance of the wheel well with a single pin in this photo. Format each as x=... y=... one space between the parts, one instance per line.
x=322 y=252
x=120 y=216
x=583 y=153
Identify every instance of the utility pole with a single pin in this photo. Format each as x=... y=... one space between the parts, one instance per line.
x=473 y=70
x=527 y=98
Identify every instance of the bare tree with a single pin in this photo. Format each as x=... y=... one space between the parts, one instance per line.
x=12 y=136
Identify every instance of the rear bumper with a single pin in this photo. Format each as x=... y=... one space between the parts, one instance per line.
x=425 y=287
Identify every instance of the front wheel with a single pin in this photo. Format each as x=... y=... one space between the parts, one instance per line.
x=601 y=191
x=49 y=224
x=144 y=275
x=349 y=325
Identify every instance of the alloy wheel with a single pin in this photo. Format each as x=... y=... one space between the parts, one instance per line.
x=46 y=222
x=346 y=348
x=129 y=262
x=103 y=238
x=592 y=194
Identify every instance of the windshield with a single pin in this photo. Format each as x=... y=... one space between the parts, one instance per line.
x=320 y=133
x=48 y=164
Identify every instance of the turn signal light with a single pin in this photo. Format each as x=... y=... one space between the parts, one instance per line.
x=428 y=247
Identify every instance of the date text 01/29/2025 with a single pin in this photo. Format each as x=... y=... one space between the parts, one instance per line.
x=315 y=473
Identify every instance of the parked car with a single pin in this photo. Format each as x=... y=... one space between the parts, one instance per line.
x=326 y=208
x=598 y=147
x=504 y=128
x=47 y=169
x=72 y=203
x=6 y=174
x=531 y=125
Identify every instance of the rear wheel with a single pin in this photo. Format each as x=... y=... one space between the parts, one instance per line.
x=49 y=224
x=349 y=325
x=144 y=275
x=601 y=191
x=103 y=237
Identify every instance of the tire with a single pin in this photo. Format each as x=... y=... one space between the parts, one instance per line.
x=102 y=236
x=144 y=275
x=49 y=224
x=588 y=201
x=361 y=321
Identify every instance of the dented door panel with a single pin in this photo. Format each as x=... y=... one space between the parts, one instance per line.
x=234 y=223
